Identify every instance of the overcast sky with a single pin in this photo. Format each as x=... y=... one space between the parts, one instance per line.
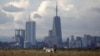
x=78 y=17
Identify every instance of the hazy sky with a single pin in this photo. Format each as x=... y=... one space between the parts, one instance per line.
x=78 y=17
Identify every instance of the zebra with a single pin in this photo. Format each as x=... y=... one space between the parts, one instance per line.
x=49 y=50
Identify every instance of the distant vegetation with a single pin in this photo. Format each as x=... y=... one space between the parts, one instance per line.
x=34 y=52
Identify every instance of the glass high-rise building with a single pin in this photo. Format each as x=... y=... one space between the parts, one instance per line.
x=30 y=39
x=57 y=33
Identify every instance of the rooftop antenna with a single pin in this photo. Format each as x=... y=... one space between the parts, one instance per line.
x=56 y=8
x=29 y=17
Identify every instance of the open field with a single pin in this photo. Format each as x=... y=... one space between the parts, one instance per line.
x=43 y=53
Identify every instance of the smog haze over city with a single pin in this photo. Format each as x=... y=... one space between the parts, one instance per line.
x=78 y=17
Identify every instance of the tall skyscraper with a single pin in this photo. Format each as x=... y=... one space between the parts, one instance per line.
x=19 y=37
x=57 y=33
x=30 y=39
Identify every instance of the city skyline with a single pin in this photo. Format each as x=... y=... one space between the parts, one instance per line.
x=77 y=18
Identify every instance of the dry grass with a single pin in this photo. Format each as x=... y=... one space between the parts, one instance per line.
x=42 y=53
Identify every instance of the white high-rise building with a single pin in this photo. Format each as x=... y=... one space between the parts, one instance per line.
x=30 y=39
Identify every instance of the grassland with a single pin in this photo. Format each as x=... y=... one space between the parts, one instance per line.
x=32 y=52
